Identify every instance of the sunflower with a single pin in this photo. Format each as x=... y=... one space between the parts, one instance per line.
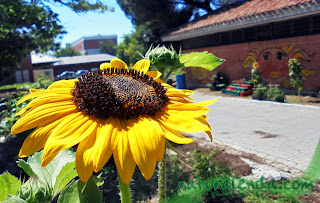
x=127 y=113
x=255 y=65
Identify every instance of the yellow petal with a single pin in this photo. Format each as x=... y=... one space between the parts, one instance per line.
x=144 y=138
x=63 y=84
x=42 y=101
x=105 y=66
x=115 y=132
x=176 y=137
x=209 y=134
x=37 y=139
x=45 y=93
x=177 y=93
x=181 y=123
x=117 y=63
x=42 y=115
x=187 y=92
x=206 y=103
x=203 y=120
x=84 y=157
x=78 y=128
x=142 y=65
x=188 y=109
x=123 y=158
x=103 y=149
x=154 y=74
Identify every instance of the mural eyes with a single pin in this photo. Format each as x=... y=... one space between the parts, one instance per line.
x=266 y=56
x=280 y=56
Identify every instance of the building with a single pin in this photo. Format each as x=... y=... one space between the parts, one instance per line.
x=38 y=63
x=267 y=32
x=91 y=44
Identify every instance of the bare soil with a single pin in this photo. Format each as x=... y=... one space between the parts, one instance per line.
x=239 y=167
x=232 y=158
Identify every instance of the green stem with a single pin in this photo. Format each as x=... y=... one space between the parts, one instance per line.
x=125 y=192
x=162 y=179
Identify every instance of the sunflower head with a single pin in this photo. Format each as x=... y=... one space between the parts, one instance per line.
x=255 y=65
x=115 y=111
x=118 y=93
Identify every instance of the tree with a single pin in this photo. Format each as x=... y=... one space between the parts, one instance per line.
x=159 y=16
x=207 y=5
x=27 y=25
x=68 y=51
x=133 y=47
x=108 y=47
x=165 y=15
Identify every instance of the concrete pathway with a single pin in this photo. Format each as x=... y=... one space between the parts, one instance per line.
x=281 y=132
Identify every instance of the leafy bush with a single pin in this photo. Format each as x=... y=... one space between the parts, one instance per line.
x=204 y=166
x=260 y=92
x=276 y=94
x=9 y=115
x=256 y=75
x=295 y=74
x=176 y=173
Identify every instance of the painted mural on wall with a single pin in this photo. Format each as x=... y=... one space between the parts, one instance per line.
x=273 y=62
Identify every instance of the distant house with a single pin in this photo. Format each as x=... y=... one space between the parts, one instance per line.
x=267 y=32
x=91 y=44
x=50 y=66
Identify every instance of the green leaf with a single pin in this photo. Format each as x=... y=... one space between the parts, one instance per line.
x=81 y=192
x=50 y=173
x=14 y=199
x=26 y=167
x=9 y=185
x=68 y=172
x=201 y=59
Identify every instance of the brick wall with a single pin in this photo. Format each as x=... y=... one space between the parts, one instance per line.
x=272 y=57
x=78 y=47
x=95 y=44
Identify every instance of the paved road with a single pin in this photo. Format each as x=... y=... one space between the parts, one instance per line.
x=285 y=133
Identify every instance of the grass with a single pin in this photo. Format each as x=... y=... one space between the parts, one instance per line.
x=294 y=99
x=26 y=85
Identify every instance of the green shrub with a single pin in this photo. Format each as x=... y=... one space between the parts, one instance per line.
x=276 y=94
x=295 y=74
x=260 y=92
x=256 y=74
x=204 y=166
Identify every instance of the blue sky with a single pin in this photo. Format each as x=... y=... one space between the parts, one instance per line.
x=93 y=23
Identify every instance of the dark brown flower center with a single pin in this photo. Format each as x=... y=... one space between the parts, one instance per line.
x=118 y=93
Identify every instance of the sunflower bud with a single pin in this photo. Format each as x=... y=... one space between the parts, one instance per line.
x=34 y=190
x=162 y=56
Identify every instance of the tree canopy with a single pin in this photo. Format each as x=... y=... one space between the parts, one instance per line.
x=27 y=25
x=68 y=51
x=108 y=47
x=133 y=47
x=161 y=15
x=165 y=15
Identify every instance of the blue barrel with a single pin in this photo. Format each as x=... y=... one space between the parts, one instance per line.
x=181 y=81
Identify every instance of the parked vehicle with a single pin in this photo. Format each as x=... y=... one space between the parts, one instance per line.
x=66 y=75
x=80 y=72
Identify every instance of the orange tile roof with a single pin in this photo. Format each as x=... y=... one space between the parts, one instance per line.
x=246 y=9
